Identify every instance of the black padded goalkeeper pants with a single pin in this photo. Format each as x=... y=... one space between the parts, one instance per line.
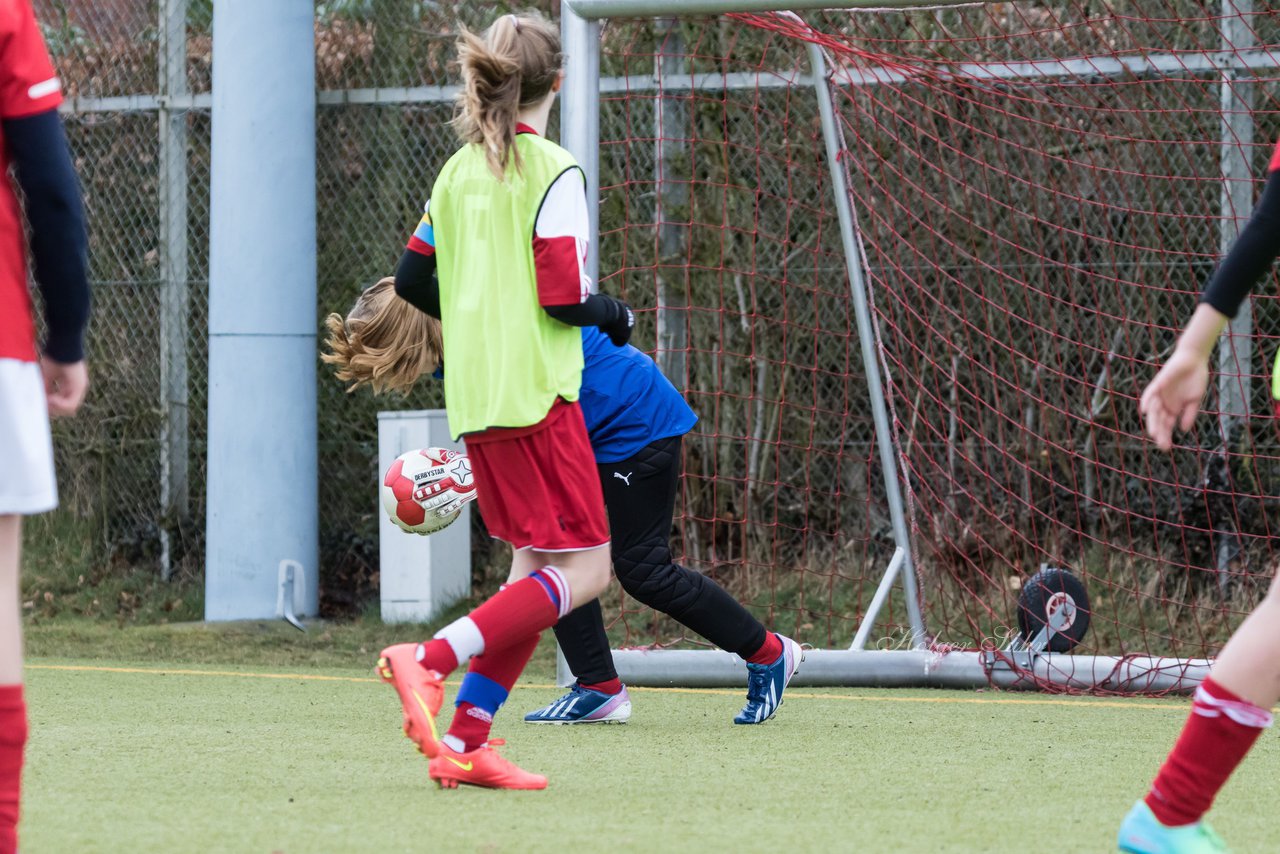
x=640 y=495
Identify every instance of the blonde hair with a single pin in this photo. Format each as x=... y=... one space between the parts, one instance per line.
x=513 y=65
x=383 y=341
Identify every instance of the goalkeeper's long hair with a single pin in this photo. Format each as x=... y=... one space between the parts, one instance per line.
x=514 y=64
x=383 y=342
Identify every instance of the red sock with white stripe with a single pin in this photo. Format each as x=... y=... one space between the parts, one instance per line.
x=485 y=688
x=13 y=738
x=1219 y=732
x=512 y=615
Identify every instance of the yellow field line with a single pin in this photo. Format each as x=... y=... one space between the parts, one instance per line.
x=315 y=677
x=878 y=698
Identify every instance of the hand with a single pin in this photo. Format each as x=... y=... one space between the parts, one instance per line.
x=64 y=385
x=448 y=495
x=1173 y=396
x=445 y=497
x=619 y=327
x=454 y=503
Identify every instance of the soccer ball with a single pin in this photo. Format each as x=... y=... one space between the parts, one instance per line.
x=424 y=491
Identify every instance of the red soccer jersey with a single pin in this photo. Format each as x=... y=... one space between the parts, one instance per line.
x=1275 y=159
x=28 y=85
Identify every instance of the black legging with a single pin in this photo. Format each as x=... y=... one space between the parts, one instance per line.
x=640 y=495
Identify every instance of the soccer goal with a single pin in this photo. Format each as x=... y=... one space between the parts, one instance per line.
x=912 y=267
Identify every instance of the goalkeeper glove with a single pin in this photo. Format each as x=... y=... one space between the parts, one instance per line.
x=449 y=494
x=610 y=315
x=620 y=323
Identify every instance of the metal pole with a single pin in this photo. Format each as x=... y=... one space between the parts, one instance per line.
x=580 y=114
x=654 y=8
x=174 y=297
x=919 y=669
x=580 y=135
x=878 y=600
x=1236 y=98
x=262 y=480
x=866 y=336
x=1235 y=350
x=670 y=129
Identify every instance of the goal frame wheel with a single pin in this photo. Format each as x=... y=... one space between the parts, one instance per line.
x=1053 y=610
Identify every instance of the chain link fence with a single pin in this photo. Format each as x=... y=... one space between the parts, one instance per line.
x=120 y=70
x=137 y=78
x=715 y=210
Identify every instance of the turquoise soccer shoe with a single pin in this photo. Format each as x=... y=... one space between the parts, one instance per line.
x=1142 y=833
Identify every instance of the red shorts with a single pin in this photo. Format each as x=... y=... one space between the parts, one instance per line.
x=537 y=486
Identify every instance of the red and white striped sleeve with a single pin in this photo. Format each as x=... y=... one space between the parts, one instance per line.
x=560 y=238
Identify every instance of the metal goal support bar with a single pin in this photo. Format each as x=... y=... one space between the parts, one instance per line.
x=921 y=669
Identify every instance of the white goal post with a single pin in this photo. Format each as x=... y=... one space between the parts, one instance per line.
x=1018 y=665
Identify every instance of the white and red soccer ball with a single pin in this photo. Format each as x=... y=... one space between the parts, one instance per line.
x=424 y=491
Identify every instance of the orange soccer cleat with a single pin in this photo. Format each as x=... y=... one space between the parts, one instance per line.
x=483 y=766
x=421 y=694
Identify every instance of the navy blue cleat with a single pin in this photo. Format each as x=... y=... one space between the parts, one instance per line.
x=584 y=706
x=766 y=682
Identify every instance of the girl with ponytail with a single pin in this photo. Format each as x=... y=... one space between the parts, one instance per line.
x=513 y=67
x=499 y=257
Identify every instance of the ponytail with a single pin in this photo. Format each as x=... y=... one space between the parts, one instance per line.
x=490 y=101
x=512 y=66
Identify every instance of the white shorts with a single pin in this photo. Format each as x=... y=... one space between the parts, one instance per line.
x=26 y=448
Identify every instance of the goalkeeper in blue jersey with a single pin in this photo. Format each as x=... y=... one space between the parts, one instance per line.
x=635 y=420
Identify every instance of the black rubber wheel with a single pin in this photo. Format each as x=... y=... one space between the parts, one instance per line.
x=1056 y=597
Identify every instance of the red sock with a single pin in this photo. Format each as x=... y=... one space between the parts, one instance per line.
x=516 y=612
x=611 y=687
x=768 y=652
x=1218 y=733
x=13 y=737
x=485 y=688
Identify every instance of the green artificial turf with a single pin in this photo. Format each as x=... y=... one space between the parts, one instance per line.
x=225 y=759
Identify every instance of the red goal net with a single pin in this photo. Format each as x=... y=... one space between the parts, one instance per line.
x=1040 y=191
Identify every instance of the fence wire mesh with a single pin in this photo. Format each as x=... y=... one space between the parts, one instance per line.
x=137 y=77
x=716 y=221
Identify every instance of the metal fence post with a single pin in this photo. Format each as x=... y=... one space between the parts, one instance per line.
x=174 y=297
x=669 y=124
x=1235 y=354
x=1235 y=350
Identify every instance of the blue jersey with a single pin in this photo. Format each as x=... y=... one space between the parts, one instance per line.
x=626 y=401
